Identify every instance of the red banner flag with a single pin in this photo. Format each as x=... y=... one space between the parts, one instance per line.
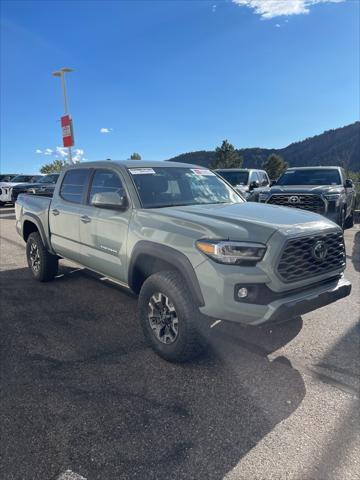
x=67 y=131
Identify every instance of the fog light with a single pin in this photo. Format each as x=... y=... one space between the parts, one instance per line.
x=242 y=292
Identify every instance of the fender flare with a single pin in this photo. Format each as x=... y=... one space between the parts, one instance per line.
x=171 y=256
x=30 y=217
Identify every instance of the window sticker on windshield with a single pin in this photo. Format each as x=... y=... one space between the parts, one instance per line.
x=142 y=171
x=203 y=171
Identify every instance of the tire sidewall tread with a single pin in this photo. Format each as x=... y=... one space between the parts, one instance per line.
x=189 y=342
x=48 y=262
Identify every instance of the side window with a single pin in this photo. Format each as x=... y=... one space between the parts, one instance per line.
x=106 y=181
x=264 y=181
x=254 y=177
x=73 y=185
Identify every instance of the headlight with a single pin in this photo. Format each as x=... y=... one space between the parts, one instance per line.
x=234 y=253
x=333 y=197
x=263 y=197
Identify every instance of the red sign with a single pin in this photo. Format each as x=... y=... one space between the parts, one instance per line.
x=67 y=131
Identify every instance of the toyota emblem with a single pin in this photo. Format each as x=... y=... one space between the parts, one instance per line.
x=319 y=251
x=294 y=199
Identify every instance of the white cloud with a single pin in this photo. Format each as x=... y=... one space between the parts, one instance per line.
x=278 y=25
x=275 y=8
x=213 y=8
x=78 y=155
x=105 y=130
x=61 y=152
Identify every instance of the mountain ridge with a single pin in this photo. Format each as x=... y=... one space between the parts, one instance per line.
x=339 y=146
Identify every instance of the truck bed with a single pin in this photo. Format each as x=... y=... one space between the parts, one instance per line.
x=30 y=205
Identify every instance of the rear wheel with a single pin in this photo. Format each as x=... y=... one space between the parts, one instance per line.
x=43 y=265
x=170 y=321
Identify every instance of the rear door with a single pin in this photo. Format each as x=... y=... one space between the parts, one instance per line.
x=65 y=212
x=103 y=231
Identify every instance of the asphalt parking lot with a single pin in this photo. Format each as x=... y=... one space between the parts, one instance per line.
x=81 y=391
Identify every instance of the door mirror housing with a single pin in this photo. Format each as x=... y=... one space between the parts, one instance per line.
x=254 y=184
x=272 y=182
x=109 y=200
x=349 y=183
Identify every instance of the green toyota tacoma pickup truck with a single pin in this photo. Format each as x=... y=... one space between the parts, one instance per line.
x=193 y=250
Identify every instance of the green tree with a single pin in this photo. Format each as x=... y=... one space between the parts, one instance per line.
x=55 y=167
x=227 y=157
x=275 y=165
x=135 y=156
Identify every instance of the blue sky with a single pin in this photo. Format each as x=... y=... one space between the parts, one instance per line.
x=169 y=77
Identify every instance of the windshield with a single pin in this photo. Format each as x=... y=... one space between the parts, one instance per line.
x=234 y=178
x=52 y=178
x=22 y=178
x=322 y=176
x=171 y=186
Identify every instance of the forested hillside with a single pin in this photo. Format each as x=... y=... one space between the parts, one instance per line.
x=340 y=146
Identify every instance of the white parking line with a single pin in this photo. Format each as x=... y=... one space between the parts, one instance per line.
x=69 y=475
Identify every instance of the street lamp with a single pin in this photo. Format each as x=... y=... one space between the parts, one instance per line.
x=61 y=73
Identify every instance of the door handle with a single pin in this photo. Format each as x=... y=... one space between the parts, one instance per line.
x=85 y=219
x=55 y=212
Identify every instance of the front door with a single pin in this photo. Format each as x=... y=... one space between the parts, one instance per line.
x=103 y=231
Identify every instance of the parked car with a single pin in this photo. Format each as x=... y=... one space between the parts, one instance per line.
x=245 y=180
x=188 y=244
x=324 y=190
x=6 y=177
x=43 y=186
x=6 y=187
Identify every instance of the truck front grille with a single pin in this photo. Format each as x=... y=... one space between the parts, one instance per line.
x=306 y=257
x=312 y=203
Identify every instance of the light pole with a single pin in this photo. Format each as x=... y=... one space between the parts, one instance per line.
x=61 y=73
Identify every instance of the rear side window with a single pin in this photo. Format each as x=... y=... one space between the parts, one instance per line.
x=73 y=185
x=106 y=181
x=254 y=177
x=263 y=179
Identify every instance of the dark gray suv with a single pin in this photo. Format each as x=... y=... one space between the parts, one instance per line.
x=323 y=190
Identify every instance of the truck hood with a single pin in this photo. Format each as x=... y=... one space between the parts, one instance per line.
x=248 y=221
x=315 y=189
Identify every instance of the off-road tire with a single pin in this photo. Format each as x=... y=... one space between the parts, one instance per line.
x=47 y=263
x=349 y=222
x=342 y=217
x=189 y=342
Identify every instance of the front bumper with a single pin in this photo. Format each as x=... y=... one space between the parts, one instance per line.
x=299 y=305
x=5 y=195
x=220 y=303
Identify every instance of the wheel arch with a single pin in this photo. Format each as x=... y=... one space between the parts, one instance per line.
x=150 y=257
x=31 y=224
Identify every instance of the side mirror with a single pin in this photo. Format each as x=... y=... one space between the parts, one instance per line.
x=272 y=182
x=254 y=184
x=109 y=200
x=349 y=183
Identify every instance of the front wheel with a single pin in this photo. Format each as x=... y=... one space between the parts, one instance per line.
x=170 y=321
x=342 y=216
x=349 y=222
x=43 y=265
